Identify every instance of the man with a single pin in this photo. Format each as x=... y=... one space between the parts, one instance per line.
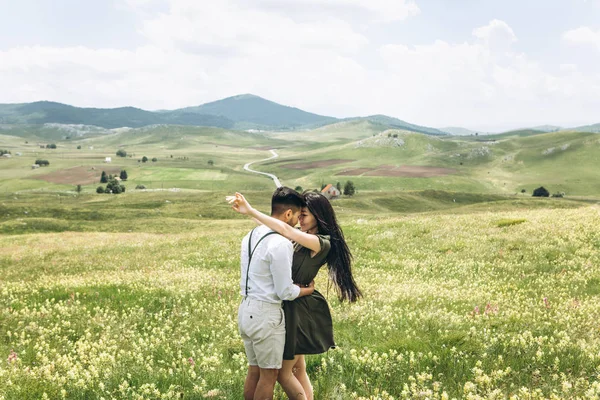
x=266 y=280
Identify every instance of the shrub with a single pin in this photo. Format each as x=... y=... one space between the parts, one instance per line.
x=51 y=146
x=79 y=147
x=298 y=189
x=144 y=159
x=558 y=194
x=113 y=186
x=211 y=162
x=541 y=192
x=154 y=159
x=140 y=187
x=42 y=163
x=121 y=153
x=99 y=189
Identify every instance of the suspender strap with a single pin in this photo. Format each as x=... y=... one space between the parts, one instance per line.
x=251 y=252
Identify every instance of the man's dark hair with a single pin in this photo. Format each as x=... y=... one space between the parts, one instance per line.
x=285 y=198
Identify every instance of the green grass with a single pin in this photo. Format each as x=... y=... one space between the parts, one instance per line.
x=111 y=296
x=505 y=166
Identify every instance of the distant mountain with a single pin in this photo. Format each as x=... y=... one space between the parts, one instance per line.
x=249 y=111
x=588 y=128
x=238 y=112
x=454 y=130
x=519 y=133
x=43 y=112
x=398 y=124
x=547 y=128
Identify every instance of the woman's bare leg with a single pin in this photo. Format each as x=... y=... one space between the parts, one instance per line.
x=288 y=381
x=302 y=376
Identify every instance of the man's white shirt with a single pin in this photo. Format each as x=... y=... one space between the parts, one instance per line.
x=270 y=276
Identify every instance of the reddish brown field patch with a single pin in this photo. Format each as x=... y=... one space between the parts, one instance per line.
x=355 y=172
x=79 y=175
x=409 y=171
x=316 y=164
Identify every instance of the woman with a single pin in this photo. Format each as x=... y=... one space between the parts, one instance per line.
x=309 y=329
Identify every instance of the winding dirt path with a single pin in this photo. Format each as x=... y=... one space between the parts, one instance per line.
x=275 y=179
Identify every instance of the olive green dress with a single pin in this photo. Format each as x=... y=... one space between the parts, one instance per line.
x=308 y=325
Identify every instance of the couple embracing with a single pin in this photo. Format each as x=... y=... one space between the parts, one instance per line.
x=282 y=317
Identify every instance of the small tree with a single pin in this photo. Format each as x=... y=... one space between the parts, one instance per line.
x=338 y=186
x=211 y=162
x=121 y=153
x=78 y=189
x=103 y=177
x=144 y=159
x=154 y=159
x=99 y=189
x=123 y=175
x=541 y=192
x=79 y=147
x=349 y=189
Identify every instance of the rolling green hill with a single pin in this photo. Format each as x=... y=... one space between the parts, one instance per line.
x=395 y=123
x=588 y=128
x=374 y=157
x=243 y=112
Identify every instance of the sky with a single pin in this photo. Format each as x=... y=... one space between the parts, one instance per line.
x=488 y=65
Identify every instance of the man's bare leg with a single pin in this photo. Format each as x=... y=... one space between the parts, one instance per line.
x=300 y=373
x=266 y=384
x=251 y=382
x=289 y=383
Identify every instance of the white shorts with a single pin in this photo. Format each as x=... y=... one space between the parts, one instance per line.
x=262 y=328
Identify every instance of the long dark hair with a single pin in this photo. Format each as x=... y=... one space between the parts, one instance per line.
x=339 y=259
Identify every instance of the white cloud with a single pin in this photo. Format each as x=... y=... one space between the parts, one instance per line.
x=326 y=64
x=373 y=10
x=481 y=82
x=497 y=35
x=225 y=28
x=583 y=35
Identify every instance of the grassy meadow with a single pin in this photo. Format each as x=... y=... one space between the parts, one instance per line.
x=471 y=290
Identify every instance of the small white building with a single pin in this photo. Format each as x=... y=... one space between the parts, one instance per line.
x=331 y=192
x=108 y=160
x=6 y=155
x=35 y=166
